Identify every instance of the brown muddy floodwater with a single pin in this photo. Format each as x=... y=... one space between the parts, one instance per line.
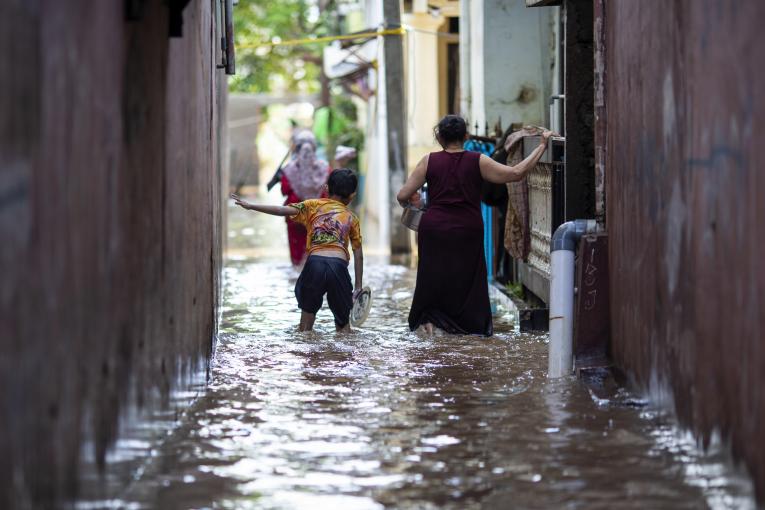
x=383 y=418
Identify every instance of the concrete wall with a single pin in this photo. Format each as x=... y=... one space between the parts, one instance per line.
x=511 y=51
x=110 y=228
x=423 y=84
x=685 y=210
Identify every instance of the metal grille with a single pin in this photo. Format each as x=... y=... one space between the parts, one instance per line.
x=546 y=211
x=540 y=217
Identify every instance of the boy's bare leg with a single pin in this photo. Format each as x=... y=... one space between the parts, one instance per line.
x=428 y=328
x=306 y=321
x=344 y=329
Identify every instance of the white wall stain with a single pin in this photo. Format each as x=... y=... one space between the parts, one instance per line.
x=669 y=113
x=676 y=217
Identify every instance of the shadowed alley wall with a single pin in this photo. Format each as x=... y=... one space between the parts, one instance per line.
x=111 y=147
x=685 y=210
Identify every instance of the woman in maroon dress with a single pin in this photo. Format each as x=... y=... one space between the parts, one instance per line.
x=304 y=177
x=452 y=290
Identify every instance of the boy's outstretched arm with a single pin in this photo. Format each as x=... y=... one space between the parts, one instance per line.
x=358 y=267
x=274 y=210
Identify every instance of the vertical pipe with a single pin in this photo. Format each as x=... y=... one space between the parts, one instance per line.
x=397 y=128
x=560 y=361
x=230 y=52
x=477 y=72
x=465 y=90
x=564 y=241
x=379 y=128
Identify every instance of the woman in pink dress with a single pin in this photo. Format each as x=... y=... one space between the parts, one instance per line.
x=304 y=177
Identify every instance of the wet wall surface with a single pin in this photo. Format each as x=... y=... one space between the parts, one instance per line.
x=384 y=418
x=685 y=214
x=109 y=231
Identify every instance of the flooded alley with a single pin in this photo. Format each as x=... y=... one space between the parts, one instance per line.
x=591 y=168
x=383 y=418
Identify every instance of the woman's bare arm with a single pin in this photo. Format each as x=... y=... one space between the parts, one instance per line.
x=274 y=210
x=413 y=183
x=496 y=172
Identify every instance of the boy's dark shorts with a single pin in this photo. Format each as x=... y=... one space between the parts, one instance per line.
x=326 y=275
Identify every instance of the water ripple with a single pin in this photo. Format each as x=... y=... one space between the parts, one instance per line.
x=384 y=418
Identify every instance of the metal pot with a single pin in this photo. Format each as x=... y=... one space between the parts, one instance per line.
x=411 y=217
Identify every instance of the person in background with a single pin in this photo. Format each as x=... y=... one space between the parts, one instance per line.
x=303 y=179
x=277 y=178
x=452 y=291
x=343 y=156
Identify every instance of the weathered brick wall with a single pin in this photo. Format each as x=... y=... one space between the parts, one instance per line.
x=110 y=227
x=685 y=211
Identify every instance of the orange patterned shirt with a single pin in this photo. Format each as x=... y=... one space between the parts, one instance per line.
x=330 y=224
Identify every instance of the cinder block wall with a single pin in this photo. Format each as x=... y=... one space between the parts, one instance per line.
x=685 y=210
x=111 y=166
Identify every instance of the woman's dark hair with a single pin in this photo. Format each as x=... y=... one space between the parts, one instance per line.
x=451 y=128
x=342 y=182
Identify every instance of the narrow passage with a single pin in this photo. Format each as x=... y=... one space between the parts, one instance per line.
x=383 y=418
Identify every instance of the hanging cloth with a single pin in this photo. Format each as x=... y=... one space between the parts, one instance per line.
x=517 y=230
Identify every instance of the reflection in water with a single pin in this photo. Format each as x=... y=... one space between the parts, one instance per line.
x=383 y=418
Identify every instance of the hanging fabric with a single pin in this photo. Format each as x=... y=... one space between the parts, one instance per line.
x=487 y=149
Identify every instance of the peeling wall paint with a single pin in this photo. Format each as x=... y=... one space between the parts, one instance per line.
x=685 y=209
x=599 y=80
x=510 y=64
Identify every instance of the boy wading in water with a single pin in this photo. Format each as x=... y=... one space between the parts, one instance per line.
x=330 y=226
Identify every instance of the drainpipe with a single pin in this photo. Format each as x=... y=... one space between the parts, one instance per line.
x=564 y=241
x=554 y=111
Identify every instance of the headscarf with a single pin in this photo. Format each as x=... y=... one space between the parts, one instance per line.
x=306 y=173
x=302 y=135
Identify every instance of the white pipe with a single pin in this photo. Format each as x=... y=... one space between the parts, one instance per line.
x=560 y=356
x=560 y=360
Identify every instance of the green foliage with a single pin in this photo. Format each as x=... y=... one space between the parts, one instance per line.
x=344 y=109
x=281 y=68
x=344 y=130
x=516 y=289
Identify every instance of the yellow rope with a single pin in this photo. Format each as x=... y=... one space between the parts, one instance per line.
x=328 y=38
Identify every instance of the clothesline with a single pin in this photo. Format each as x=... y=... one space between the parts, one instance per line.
x=402 y=30
x=328 y=38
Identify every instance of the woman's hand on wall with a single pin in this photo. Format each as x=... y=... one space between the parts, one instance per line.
x=498 y=173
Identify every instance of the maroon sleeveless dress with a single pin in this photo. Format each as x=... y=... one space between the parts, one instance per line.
x=452 y=290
